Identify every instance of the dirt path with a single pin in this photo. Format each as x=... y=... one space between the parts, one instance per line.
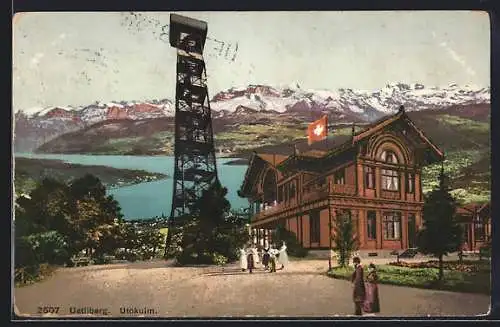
x=154 y=289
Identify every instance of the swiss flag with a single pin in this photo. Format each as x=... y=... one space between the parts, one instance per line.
x=317 y=130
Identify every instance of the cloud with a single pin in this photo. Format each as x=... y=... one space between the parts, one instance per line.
x=36 y=59
x=59 y=39
x=455 y=56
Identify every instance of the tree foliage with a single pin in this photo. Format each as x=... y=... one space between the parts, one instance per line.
x=57 y=221
x=210 y=233
x=344 y=238
x=441 y=233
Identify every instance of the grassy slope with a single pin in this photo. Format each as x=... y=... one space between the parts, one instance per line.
x=466 y=143
x=30 y=171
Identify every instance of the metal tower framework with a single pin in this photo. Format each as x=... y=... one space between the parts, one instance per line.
x=195 y=162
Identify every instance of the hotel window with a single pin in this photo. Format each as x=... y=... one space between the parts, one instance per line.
x=466 y=232
x=292 y=190
x=369 y=177
x=314 y=221
x=389 y=157
x=280 y=194
x=339 y=176
x=410 y=183
x=392 y=225
x=371 y=222
x=390 y=178
x=479 y=230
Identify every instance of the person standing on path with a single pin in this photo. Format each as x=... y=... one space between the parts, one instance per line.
x=273 y=252
x=255 y=252
x=283 y=256
x=265 y=259
x=250 y=260
x=243 y=259
x=372 y=303
x=358 y=282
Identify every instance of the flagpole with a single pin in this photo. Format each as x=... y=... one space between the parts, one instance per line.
x=352 y=132
x=326 y=136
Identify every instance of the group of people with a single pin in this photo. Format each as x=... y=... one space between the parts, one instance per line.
x=270 y=257
x=365 y=290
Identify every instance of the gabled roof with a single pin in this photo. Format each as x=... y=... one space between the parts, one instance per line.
x=257 y=162
x=273 y=159
x=378 y=125
x=474 y=208
x=349 y=141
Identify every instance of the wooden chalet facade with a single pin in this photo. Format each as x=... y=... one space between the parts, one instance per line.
x=476 y=222
x=374 y=175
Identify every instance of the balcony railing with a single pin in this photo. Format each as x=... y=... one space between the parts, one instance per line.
x=315 y=194
x=320 y=192
x=345 y=189
x=311 y=192
x=269 y=211
x=391 y=195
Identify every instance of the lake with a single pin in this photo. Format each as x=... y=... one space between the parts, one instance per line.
x=151 y=199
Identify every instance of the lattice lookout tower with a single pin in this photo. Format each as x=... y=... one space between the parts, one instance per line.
x=195 y=163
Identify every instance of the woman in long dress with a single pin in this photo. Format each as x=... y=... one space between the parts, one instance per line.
x=255 y=253
x=265 y=259
x=283 y=259
x=243 y=259
x=372 y=303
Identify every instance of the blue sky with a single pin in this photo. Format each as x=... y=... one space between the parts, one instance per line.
x=78 y=58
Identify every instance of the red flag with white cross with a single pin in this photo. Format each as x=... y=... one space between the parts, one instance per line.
x=317 y=130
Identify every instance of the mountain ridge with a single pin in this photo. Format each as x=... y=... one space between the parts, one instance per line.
x=253 y=104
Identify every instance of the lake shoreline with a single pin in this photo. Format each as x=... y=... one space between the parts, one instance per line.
x=112 y=178
x=147 y=199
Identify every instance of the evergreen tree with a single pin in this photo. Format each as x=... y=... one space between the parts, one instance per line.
x=344 y=238
x=441 y=233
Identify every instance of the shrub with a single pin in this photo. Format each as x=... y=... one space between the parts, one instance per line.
x=219 y=259
x=102 y=260
x=49 y=247
x=293 y=246
x=346 y=242
x=131 y=256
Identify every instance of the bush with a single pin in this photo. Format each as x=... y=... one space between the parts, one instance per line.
x=293 y=247
x=130 y=256
x=457 y=281
x=469 y=267
x=49 y=247
x=219 y=259
x=24 y=253
x=102 y=260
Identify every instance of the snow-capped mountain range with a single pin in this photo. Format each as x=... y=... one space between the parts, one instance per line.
x=366 y=105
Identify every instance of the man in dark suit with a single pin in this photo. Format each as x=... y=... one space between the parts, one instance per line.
x=358 y=282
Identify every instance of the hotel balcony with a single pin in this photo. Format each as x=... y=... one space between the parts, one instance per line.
x=390 y=195
x=310 y=193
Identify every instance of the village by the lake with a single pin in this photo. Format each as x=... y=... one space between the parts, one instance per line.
x=332 y=172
